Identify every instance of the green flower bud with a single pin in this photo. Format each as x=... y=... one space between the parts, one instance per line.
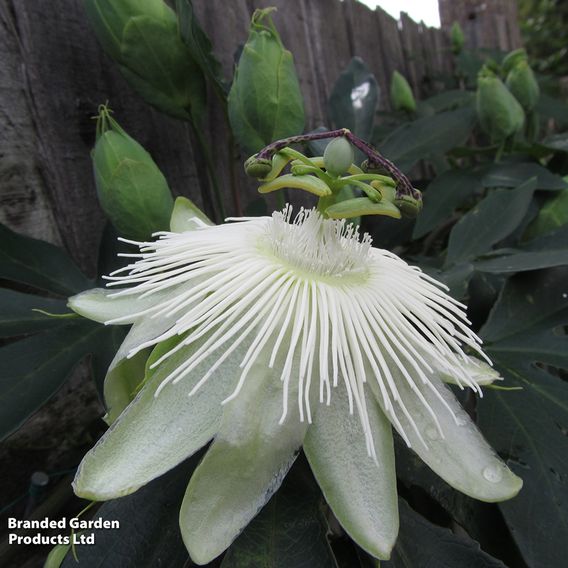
x=131 y=189
x=142 y=36
x=108 y=19
x=256 y=168
x=498 y=111
x=265 y=101
x=457 y=37
x=522 y=83
x=513 y=58
x=401 y=93
x=338 y=156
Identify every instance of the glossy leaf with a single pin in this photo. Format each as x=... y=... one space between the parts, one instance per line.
x=354 y=99
x=445 y=194
x=39 y=264
x=18 y=315
x=523 y=261
x=426 y=136
x=552 y=215
x=557 y=142
x=424 y=544
x=513 y=174
x=33 y=369
x=530 y=427
x=490 y=221
x=149 y=530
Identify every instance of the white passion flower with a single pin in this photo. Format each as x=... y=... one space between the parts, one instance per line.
x=273 y=333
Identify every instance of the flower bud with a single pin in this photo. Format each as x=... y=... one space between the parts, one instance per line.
x=513 y=58
x=522 y=83
x=256 y=168
x=131 y=189
x=142 y=36
x=265 y=101
x=401 y=93
x=457 y=38
x=338 y=156
x=498 y=111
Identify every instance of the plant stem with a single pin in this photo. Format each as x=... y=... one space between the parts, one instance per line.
x=210 y=169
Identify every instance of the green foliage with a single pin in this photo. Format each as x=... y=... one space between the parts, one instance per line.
x=148 y=533
x=544 y=27
x=35 y=367
x=265 y=101
x=354 y=99
x=524 y=337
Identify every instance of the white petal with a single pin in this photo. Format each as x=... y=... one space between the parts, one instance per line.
x=459 y=455
x=154 y=434
x=360 y=491
x=186 y=216
x=99 y=305
x=244 y=466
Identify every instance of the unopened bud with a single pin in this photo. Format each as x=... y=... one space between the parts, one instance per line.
x=457 y=38
x=513 y=58
x=338 y=156
x=258 y=168
x=131 y=189
x=142 y=37
x=401 y=93
x=522 y=83
x=498 y=111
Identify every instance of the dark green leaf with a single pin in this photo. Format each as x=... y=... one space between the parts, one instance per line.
x=513 y=174
x=421 y=544
x=490 y=221
x=442 y=197
x=523 y=261
x=17 y=315
x=552 y=215
x=426 y=136
x=288 y=532
x=557 y=142
x=456 y=278
x=354 y=99
x=447 y=100
x=39 y=264
x=530 y=427
x=33 y=369
x=149 y=534
x=550 y=107
x=199 y=46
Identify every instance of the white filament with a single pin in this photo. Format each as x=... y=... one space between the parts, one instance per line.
x=312 y=294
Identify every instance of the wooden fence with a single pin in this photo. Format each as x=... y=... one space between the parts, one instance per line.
x=53 y=74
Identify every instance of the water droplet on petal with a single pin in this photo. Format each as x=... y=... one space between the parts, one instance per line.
x=432 y=432
x=493 y=473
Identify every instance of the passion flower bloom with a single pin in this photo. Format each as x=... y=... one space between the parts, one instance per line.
x=274 y=333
